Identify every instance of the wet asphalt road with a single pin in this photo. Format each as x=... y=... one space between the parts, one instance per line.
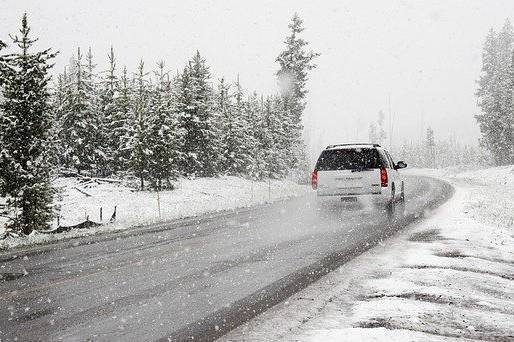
x=195 y=277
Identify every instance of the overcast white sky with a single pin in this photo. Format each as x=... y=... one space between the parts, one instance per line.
x=422 y=55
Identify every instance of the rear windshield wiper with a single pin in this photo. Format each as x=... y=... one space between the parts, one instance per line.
x=362 y=169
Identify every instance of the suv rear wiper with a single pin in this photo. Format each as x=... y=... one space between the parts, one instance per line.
x=362 y=169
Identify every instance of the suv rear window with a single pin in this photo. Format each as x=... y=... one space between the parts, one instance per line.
x=349 y=159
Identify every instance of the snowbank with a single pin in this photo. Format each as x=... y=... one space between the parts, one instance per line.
x=79 y=201
x=494 y=206
x=448 y=277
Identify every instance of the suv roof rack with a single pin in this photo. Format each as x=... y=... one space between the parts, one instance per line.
x=352 y=144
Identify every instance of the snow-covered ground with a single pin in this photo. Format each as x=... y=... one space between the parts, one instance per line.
x=80 y=200
x=451 y=276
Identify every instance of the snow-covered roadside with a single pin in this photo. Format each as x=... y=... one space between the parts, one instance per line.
x=80 y=200
x=448 y=277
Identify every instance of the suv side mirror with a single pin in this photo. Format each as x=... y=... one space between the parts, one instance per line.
x=400 y=165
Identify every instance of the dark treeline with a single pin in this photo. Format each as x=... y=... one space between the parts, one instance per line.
x=145 y=123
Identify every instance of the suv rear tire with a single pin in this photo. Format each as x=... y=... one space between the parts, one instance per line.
x=391 y=207
x=401 y=205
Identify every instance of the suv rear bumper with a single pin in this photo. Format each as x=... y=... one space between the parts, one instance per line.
x=379 y=199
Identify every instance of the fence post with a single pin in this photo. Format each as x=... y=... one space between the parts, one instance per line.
x=251 y=196
x=269 y=189
x=159 y=204
x=101 y=214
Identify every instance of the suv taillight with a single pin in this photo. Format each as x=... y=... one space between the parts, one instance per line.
x=383 y=177
x=314 y=179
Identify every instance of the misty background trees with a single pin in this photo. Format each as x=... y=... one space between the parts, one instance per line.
x=495 y=94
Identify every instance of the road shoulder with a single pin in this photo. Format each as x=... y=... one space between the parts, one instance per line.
x=138 y=211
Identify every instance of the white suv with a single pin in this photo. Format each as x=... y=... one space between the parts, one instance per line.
x=360 y=173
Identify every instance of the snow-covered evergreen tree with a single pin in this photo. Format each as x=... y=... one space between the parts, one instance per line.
x=58 y=103
x=3 y=66
x=61 y=103
x=273 y=137
x=381 y=134
x=372 y=133
x=376 y=133
x=258 y=168
x=139 y=128
x=506 y=92
x=279 y=129
x=121 y=123
x=229 y=108
x=244 y=140
x=78 y=125
x=101 y=152
x=197 y=119
x=495 y=93
x=25 y=123
x=295 y=63
x=429 y=148
x=111 y=123
x=163 y=133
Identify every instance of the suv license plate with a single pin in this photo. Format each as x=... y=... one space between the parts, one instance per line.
x=348 y=199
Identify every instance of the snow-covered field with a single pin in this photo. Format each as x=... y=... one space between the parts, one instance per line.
x=449 y=277
x=79 y=200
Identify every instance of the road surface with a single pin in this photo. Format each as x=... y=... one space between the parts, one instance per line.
x=189 y=278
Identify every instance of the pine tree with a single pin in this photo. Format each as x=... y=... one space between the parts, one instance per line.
x=223 y=108
x=112 y=123
x=139 y=128
x=258 y=169
x=244 y=140
x=506 y=90
x=99 y=140
x=267 y=152
x=279 y=127
x=229 y=109
x=509 y=111
x=57 y=102
x=182 y=99
x=121 y=123
x=197 y=119
x=295 y=63
x=372 y=133
x=381 y=134
x=61 y=104
x=25 y=123
x=163 y=136
x=429 y=148
x=273 y=138
x=3 y=66
x=3 y=73
x=495 y=93
x=79 y=120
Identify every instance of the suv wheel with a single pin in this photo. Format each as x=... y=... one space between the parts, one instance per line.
x=401 y=205
x=391 y=207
